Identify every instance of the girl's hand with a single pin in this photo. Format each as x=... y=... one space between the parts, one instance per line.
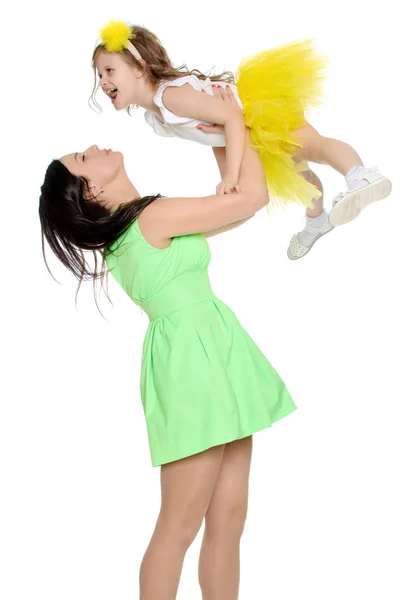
x=226 y=95
x=228 y=185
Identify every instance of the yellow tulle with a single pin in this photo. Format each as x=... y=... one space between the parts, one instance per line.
x=276 y=88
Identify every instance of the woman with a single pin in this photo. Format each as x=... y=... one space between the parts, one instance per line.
x=205 y=386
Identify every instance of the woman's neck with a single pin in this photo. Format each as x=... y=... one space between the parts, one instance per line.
x=122 y=191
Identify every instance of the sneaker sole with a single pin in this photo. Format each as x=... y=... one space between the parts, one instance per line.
x=350 y=206
x=292 y=257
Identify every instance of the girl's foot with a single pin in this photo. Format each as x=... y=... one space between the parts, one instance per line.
x=364 y=186
x=302 y=242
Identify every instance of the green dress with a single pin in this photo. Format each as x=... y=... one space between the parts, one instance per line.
x=204 y=382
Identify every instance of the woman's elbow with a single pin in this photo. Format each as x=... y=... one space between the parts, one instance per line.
x=260 y=198
x=254 y=200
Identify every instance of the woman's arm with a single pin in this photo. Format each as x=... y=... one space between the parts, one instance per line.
x=219 y=230
x=220 y=156
x=166 y=218
x=185 y=101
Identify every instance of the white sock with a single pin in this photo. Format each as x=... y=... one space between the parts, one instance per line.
x=353 y=170
x=316 y=222
x=354 y=178
x=314 y=226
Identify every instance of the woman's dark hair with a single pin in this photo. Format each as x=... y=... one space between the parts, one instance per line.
x=72 y=224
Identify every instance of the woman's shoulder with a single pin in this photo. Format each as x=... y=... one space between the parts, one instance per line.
x=135 y=244
x=146 y=228
x=124 y=241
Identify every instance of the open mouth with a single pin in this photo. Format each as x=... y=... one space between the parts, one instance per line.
x=112 y=93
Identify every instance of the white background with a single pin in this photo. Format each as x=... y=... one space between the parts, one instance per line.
x=79 y=496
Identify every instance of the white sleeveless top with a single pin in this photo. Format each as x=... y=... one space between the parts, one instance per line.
x=185 y=127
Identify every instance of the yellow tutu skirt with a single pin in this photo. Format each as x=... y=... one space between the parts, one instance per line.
x=276 y=88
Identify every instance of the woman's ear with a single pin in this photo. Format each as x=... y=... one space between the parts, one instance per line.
x=92 y=193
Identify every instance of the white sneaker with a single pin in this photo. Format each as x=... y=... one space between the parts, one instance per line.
x=365 y=186
x=302 y=242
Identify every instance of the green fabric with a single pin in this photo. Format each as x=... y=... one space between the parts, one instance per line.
x=204 y=382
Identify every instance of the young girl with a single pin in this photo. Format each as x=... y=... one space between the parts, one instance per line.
x=273 y=90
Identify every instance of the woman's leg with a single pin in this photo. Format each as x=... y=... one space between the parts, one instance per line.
x=187 y=486
x=219 y=563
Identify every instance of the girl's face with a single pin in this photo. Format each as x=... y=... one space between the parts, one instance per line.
x=118 y=79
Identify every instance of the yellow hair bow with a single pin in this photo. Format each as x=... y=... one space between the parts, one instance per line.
x=116 y=35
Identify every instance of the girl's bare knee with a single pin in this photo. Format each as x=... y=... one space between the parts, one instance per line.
x=317 y=149
x=312 y=144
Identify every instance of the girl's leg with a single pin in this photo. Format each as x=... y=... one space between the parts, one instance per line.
x=317 y=222
x=364 y=185
x=326 y=151
x=187 y=486
x=219 y=563
x=318 y=203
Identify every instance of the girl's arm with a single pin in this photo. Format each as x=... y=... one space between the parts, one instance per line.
x=185 y=101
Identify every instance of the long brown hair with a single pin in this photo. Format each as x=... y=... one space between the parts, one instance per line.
x=158 y=65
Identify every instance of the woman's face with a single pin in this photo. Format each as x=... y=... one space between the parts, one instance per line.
x=104 y=169
x=98 y=166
